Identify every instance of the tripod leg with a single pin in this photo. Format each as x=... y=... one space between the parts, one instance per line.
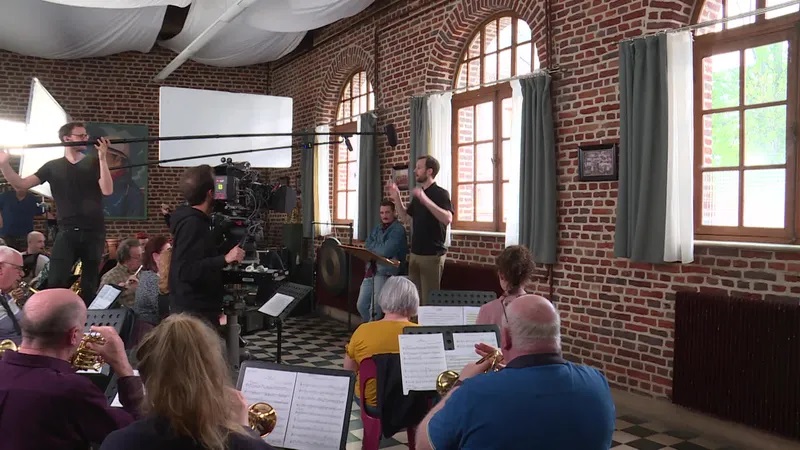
x=232 y=341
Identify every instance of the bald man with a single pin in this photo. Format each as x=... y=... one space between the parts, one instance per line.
x=45 y=403
x=34 y=258
x=539 y=400
x=10 y=274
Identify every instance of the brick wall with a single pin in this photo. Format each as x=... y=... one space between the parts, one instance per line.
x=617 y=315
x=120 y=89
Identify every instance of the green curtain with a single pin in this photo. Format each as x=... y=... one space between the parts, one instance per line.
x=419 y=135
x=369 y=178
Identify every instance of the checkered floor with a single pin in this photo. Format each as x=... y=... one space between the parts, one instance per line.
x=319 y=342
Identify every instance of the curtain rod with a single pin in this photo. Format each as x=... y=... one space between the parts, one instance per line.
x=719 y=21
x=537 y=72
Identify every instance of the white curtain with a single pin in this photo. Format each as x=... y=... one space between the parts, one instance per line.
x=49 y=30
x=121 y=4
x=440 y=116
x=512 y=164
x=291 y=16
x=679 y=230
x=352 y=199
x=322 y=167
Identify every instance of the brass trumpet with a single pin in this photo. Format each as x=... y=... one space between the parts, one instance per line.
x=262 y=418
x=7 y=344
x=86 y=358
x=22 y=293
x=447 y=379
x=77 y=271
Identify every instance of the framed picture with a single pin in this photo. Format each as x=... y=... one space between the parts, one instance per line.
x=400 y=176
x=129 y=200
x=598 y=162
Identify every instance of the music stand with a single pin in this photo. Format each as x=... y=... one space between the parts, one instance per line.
x=297 y=292
x=368 y=257
x=442 y=297
x=448 y=331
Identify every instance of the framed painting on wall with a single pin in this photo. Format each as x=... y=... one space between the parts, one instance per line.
x=598 y=162
x=129 y=199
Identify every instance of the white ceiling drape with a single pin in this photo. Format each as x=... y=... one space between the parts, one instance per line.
x=72 y=29
x=53 y=31
x=301 y=15
x=121 y=4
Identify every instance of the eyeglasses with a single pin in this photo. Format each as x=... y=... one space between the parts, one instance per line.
x=82 y=136
x=16 y=266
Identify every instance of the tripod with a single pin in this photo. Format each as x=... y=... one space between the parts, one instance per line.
x=233 y=340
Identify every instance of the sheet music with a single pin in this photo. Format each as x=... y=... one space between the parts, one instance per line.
x=116 y=401
x=422 y=359
x=105 y=297
x=275 y=306
x=318 y=409
x=440 y=315
x=471 y=314
x=457 y=359
x=275 y=387
x=468 y=340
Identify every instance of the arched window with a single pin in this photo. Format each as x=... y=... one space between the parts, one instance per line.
x=501 y=48
x=357 y=98
x=746 y=100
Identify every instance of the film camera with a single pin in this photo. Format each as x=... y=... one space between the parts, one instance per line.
x=240 y=198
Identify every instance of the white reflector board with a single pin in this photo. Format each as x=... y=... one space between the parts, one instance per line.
x=45 y=117
x=186 y=112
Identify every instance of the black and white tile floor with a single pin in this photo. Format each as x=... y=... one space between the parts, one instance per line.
x=319 y=342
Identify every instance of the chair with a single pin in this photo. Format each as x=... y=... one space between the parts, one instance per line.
x=371 y=440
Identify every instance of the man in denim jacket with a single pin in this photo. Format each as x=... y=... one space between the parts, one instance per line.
x=388 y=240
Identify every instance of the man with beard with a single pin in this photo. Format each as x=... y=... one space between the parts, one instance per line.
x=431 y=212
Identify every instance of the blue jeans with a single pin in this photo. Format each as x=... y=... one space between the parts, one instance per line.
x=370 y=287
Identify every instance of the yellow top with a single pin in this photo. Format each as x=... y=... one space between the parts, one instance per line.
x=374 y=338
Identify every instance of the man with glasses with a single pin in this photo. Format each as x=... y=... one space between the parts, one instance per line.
x=78 y=182
x=10 y=273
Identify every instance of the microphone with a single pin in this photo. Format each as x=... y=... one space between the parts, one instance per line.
x=348 y=144
x=391 y=135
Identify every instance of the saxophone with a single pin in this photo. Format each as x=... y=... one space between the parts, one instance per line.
x=76 y=285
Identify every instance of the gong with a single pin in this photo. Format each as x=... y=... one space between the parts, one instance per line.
x=333 y=267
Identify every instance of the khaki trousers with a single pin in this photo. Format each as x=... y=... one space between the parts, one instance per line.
x=425 y=271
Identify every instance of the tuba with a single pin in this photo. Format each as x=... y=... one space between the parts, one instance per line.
x=262 y=418
x=447 y=379
x=22 y=293
x=76 y=285
x=86 y=358
x=7 y=344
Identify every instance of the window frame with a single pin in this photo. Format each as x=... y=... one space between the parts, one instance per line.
x=349 y=127
x=761 y=32
x=473 y=95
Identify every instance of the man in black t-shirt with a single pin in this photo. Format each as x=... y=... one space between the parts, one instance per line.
x=78 y=183
x=431 y=212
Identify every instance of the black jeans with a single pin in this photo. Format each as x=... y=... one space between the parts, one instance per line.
x=71 y=245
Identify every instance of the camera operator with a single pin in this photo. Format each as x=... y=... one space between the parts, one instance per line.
x=196 y=277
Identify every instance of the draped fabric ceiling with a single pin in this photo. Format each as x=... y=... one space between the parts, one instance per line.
x=69 y=29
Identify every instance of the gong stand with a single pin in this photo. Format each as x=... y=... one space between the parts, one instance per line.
x=333 y=266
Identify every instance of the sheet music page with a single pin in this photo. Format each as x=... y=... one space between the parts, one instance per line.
x=275 y=387
x=440 y=315
x=422 y=359
x=318 y=409
x=275 y=306
x=105 y=297
x=468 y=340
x=471 y=314
x=116 y=401
x=457 y=359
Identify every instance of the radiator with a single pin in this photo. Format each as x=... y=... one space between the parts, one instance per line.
x=739 y=360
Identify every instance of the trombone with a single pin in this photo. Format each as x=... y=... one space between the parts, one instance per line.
x=448 y=379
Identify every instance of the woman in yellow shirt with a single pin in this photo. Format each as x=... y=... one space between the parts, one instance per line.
x=399 y=301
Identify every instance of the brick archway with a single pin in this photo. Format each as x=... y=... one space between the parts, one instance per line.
x=463 y=21
x=344 y=64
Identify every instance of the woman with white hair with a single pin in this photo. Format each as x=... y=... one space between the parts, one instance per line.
x=399 y=301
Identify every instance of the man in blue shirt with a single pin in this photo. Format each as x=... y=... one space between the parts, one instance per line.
x=17 y=210
x=388 y=239
x=538 y=400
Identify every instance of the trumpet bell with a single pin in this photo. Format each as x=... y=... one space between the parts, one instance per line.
x=86 y=358
x=445 y=381
x=7 y=344
x=262 y=418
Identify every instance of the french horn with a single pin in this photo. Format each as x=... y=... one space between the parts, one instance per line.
x=447 y=379
x=7 y=344
x=85 y=358
x=262 y=418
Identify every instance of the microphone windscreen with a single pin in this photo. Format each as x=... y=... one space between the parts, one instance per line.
x=391 y=135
